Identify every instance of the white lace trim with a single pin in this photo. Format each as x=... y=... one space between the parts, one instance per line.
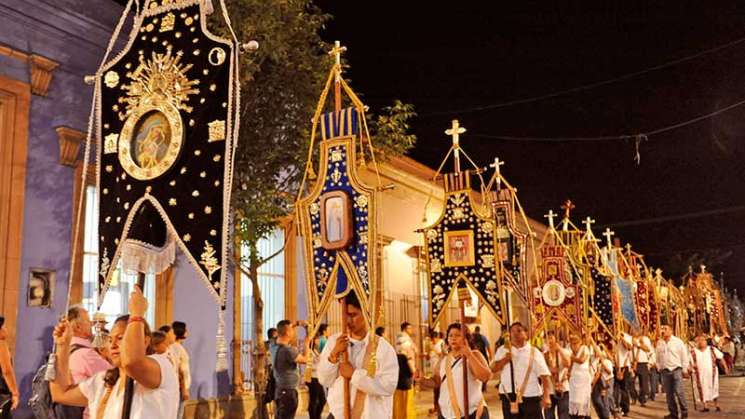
x=137 y=256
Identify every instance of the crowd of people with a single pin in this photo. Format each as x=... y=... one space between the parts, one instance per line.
x=557 y=376
x=147 y=372
x=135 y=369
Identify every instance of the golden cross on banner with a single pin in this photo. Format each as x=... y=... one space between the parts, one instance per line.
x=703 y=269
x=336 y=52
x=551 y=215
x=608 y=234
x=497 y=166
x=628 y=248
x=455 y=132
x=568 y=207
x=588 y=223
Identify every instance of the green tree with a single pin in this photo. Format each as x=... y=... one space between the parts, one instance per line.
x=280 y=86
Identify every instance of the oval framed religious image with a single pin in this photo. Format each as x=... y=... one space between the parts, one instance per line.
x=336 y=220
x=151 y=140
x=554 y=293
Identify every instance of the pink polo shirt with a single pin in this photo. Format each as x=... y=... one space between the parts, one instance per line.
x=85 y=363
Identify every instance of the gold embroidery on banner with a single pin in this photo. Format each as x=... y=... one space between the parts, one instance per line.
x=109 y=144
x=208 y=260
x=111 y=79
x=216 y=131
x=314 y=208
x=336 y=176
x=152 y=134
x=167 y=24
x=361 y=201
x=216 y=56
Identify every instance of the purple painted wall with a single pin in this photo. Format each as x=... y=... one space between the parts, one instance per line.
x=194 y=305
x=71 y=32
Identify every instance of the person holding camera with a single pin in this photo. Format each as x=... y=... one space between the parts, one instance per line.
x=285 y=370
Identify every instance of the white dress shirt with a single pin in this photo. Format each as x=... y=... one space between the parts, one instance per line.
x=520 y=357
x=672 y=354
x=379 y=388
x=563 y=372
x=623 y=357
x=641 y=355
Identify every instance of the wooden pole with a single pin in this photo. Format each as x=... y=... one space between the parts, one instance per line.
x=336 y=53
x=129 y=386
x=463 y=296
x=345 y=358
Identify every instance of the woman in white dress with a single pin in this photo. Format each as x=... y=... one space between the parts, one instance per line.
x=706 y=374
x=580 y=379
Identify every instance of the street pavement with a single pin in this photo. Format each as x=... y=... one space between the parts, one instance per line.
x=731 y=400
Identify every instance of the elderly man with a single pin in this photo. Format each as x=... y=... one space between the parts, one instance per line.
x=85 y=361
x=156 y=393
x=672 y=362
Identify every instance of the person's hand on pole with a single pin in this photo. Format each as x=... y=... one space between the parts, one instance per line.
x=342 y=343
x=137 y=303
x=346 y=370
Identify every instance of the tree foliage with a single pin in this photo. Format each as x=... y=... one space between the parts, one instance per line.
x=280 y=86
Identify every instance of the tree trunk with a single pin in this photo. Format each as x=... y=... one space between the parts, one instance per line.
x=260 y=351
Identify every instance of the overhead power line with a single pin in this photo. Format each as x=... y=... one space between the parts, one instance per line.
x=677 y=217
x=615 y=137
x=583 y=87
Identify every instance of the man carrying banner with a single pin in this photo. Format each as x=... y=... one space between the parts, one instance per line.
x=524 y=386
x=704 y=359
x=372 y=369
x=624 y=381
x=641 y=349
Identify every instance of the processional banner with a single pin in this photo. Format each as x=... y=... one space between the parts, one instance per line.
x=626 y=289
x=337 y=220
x=167 y=129
x=461 y=247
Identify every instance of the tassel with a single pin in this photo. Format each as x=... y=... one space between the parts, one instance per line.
x=222 y=345
x=50 y=374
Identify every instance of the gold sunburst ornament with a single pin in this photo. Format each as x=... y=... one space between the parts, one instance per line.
x=152 y=134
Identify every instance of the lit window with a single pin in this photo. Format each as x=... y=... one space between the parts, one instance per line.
x=271 y=283
x=117 y=298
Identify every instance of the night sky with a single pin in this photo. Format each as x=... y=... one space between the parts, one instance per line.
x=451 y=57
x=447 y=58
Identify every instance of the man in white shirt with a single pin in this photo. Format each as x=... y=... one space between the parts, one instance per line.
x=673 y=362
x=641 y=349
x=155 y=392
x=558 y=361
x=654 y=374
x=524 y=377
x=624 y=381
x=375 y=381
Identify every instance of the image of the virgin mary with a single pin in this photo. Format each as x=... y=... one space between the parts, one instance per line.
x=152 y=141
